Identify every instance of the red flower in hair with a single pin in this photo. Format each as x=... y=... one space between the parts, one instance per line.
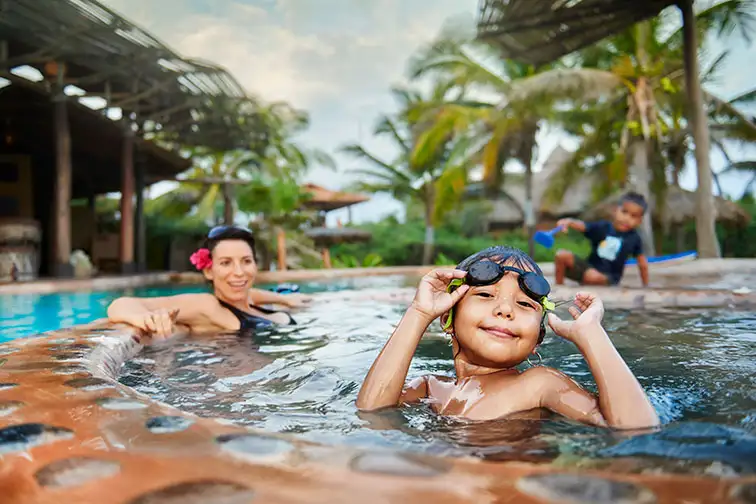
x=201 y=259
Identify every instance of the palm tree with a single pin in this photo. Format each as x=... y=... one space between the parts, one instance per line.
x=214 y=174
x=436 y=180
x=504 y=129
x=630 y=72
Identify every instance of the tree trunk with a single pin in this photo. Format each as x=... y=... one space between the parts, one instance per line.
x=680 y=237
x=228 y=205
x=430 y=208
x=530 y=219
x=706 y=236
x=639 y=182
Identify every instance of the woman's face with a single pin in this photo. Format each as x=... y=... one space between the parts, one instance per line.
x=233 y=270
x=497 y=325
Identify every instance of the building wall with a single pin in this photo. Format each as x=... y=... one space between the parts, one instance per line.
x=16 y=195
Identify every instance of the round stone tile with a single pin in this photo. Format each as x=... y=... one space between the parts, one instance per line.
x=744 y=494
x=75 y=471
x=8 y=407
x=88 y=384
x=254 y=445
x=577 y=489
x=399 y=464
x=23 y=436
x=168 y=424
x=198 y=492
x=116 y=403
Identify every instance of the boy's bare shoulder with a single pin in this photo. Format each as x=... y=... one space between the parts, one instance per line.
x=545 y=376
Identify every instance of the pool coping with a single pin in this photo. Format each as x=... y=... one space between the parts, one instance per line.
x=675 y=273
x=207 y=452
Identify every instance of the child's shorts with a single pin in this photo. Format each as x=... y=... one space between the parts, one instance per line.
x=580 y=266
x=578 y=269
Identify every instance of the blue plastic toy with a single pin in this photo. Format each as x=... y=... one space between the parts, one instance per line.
x=546 y=238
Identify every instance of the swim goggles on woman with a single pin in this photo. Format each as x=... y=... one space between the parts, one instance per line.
x=218 y=231
x=482 y=273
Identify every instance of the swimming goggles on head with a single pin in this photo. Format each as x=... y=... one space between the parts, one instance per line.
x=220 y=230
x=482 y=273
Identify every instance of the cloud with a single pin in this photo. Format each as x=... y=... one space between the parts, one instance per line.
x=335 y=58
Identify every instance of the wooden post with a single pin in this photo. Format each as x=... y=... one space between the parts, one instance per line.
x=326 y=253
x=127 y=202
x=140 y=238
x=63 y=178
x=281 y=246
x=706 y=236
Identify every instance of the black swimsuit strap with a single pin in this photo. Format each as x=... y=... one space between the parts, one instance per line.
x=244 y=316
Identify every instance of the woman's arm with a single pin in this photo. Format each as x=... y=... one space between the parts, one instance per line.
x=385 y=381
x=159 y=315
x=621 y=399
x=262 y=296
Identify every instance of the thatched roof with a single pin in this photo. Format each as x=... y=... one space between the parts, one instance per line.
x=323 y=236
x=86 y=44
x=326 y=200
x=507 y=212
x=542 y=31
x=680 y=207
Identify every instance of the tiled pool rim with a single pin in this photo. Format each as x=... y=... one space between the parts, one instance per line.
x=69 y=432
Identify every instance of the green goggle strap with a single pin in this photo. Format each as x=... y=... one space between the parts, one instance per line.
x=452 y=285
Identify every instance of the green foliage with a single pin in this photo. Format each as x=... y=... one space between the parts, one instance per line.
x=401 y=244
x=371 y=260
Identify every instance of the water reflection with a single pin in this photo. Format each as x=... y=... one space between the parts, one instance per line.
x=698 y=368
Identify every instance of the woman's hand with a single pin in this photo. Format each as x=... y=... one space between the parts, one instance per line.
x=159 y=324
x=297 y=300
x=431 y=299
x=587 y=312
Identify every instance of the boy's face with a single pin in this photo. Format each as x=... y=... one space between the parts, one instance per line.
x=627 y=216
x=497 y=325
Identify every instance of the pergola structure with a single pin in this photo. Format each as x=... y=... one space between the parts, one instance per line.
x=541 y=31
x=84 y=52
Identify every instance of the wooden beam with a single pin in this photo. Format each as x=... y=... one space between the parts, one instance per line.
x=63 y=178
x=127 y=202
x=281 y=248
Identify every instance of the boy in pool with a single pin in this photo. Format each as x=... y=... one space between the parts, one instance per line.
x=494 y=307
x=612 y=244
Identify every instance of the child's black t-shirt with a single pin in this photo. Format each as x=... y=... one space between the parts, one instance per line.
x=611 y=249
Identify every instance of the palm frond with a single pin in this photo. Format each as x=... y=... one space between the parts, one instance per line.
x=578 y=84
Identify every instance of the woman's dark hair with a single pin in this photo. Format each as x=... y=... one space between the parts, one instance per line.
x=501 y=254
x=223 y=233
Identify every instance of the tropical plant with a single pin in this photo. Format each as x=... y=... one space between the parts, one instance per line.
x=629 y=74
x=437 y=180
x=505 y=130
x=212 y=180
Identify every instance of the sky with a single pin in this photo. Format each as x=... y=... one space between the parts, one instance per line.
x=337 y=59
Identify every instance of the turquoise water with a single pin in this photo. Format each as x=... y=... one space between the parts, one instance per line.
x=30 y=314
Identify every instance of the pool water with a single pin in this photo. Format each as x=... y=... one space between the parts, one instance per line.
x=698 y=368
x=31 y=314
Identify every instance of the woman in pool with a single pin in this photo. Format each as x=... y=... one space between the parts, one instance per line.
x=494 y=306
x=227 y=261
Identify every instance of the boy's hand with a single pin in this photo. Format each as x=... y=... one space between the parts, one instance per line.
x=564 y=224
x=431 y=299
x=587 y=312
